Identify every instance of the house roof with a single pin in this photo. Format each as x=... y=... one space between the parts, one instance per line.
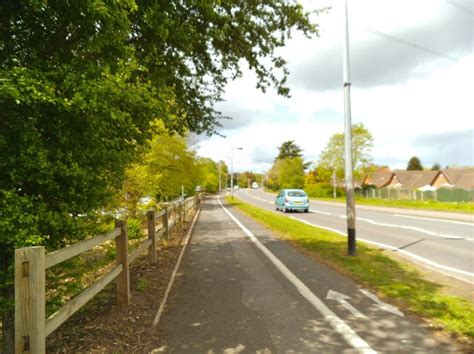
x=379 y=179
x=466 y=181
x=415 y=179
x=460 y=177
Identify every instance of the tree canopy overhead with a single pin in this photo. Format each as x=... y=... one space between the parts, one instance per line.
x=83 y=81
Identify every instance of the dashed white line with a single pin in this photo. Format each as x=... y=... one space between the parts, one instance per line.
x=436 y=220
x=338 y=324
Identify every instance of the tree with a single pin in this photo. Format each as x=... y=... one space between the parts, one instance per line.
x=286 y=173
x=332 y=157
x=414 y=164
x=319 y=174
x=83 y=82
x=288 y=150
x=209 y=178
x=246 y=179
x=436 y=167
x=224 y=174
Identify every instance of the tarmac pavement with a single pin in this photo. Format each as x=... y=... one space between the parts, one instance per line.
x=243 y=290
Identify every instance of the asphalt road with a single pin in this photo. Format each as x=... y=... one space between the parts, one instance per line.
x=243 y=290
x=443 y=245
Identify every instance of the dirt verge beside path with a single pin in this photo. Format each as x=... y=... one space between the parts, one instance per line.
x=103 y=327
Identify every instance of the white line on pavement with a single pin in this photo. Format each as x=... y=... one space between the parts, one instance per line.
x=433 y=219
x=319 y=212
x=173 y=276
x=428 y=263
x=339 y=325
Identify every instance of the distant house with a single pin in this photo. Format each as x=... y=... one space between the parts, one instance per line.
x=421 y=180
x=413 y=180
x=455 y=178
x=379 y=179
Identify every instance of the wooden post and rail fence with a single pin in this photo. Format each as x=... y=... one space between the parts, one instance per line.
x=31 y=325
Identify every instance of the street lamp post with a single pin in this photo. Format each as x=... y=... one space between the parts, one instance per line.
x=232 y=170
x=350 y=203
x=220 y=182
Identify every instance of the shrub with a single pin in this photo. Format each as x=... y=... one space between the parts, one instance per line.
x=323 y=190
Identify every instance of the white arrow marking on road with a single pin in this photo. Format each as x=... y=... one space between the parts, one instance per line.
x=382 y=305
x=341 y=298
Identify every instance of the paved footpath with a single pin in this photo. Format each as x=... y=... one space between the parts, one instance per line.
x=249 y=292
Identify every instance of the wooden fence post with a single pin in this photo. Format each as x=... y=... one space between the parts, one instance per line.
x=166 y=220
x=152 y=236
x=30 y=317
x=186 y=203
x=123 y=279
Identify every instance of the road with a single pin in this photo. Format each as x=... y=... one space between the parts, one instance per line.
x=243 y=290
x=443 y=245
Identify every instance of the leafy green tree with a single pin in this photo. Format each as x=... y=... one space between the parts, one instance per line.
x=286 y=173
x=224 y=173
x=82 y=82
x=288 y=150
x=319 y=174
x=174 y=166
x=209 y=175
x=414 y=164
x=332 y=157
x=246 y=179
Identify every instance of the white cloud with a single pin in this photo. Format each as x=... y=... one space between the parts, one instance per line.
x=408 y=98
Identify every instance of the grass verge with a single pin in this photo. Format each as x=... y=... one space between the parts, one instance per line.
x=467 y=208
x=401 y=283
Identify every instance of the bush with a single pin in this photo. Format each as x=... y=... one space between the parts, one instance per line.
x=135 y=229
x=323 y=190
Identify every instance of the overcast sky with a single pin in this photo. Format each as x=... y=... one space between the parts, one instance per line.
x=412 y=73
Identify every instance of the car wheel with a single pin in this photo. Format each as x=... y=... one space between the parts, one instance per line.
x=285 y=210
x=306 y=210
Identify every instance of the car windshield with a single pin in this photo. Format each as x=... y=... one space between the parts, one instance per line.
x=296 y=194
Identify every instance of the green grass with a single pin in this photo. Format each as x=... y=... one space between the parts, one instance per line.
x=413 y=204
x=399 y=282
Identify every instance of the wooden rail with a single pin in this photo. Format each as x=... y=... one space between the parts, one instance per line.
x=31 y=325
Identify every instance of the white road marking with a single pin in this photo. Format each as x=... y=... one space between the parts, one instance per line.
x=382 y=305
x=373 y=222
x=322 y=227
x=433 y=219
x=428 y=263
x=173 y=276
x=339 y=325
x=319 y=212
x=413 y=228
x=341 y=299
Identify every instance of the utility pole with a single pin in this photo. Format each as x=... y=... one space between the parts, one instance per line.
x=232 y=174
x=232 y=171
x=334 y=183
x=350 y=203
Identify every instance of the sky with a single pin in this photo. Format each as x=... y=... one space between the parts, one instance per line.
x=412 y=73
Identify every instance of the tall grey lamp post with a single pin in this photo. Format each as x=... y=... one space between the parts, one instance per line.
x=220 y=182
x=232 y=170
x=350 y=202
